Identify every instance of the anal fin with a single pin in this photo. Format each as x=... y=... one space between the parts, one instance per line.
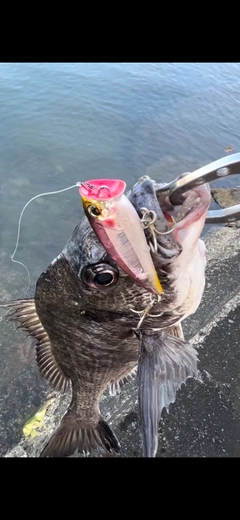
x=115 y=387
x=165 y=363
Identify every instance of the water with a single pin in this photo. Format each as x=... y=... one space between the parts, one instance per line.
x=63 y=123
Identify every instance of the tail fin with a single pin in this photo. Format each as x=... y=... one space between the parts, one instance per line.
x=71 y=437
x=165 y=363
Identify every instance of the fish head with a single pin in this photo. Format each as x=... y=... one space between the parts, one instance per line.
x=179 y=254
x=95 y=285
x=101 y=287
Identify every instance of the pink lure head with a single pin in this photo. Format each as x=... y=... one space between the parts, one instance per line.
x=102 y=189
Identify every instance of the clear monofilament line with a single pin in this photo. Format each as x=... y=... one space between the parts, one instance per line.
x=27 y=204
x=19 y=228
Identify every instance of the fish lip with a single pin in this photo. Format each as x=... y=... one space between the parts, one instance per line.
x=201 y=199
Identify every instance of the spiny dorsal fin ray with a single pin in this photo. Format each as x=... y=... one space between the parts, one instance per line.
x=24 y=311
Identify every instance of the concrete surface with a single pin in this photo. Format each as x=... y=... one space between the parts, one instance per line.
x=205 y=419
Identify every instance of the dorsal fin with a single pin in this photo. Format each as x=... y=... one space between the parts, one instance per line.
x=25 y=312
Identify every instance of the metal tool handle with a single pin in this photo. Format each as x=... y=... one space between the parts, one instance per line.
x=221 y=216
x=215 y=170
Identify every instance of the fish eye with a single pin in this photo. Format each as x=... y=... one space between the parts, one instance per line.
x=94 y=211
x=103 y=279
x=101 y=275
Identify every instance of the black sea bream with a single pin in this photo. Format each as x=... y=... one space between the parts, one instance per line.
x=93 y=323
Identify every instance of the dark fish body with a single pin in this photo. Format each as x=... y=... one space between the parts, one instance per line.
x=85 y=317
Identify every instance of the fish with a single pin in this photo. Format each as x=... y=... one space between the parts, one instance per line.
x=118 y=227
x=95 y=327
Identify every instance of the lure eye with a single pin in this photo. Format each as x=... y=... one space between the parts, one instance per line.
x=94 y=211
x=101 y=275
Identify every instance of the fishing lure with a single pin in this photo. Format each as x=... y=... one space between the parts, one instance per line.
x=119 y=229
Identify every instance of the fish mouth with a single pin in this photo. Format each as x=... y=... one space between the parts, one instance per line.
x=194 y=207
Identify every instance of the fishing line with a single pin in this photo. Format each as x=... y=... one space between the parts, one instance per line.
x=18 y=233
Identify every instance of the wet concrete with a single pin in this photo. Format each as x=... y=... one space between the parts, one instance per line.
x=226 y=197
x=205 y=419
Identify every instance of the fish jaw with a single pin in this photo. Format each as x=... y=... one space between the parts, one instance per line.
x=119 y=229
x=189 y=266
x=188 y=231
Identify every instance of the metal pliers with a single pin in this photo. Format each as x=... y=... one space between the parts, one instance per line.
x=216 y=170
